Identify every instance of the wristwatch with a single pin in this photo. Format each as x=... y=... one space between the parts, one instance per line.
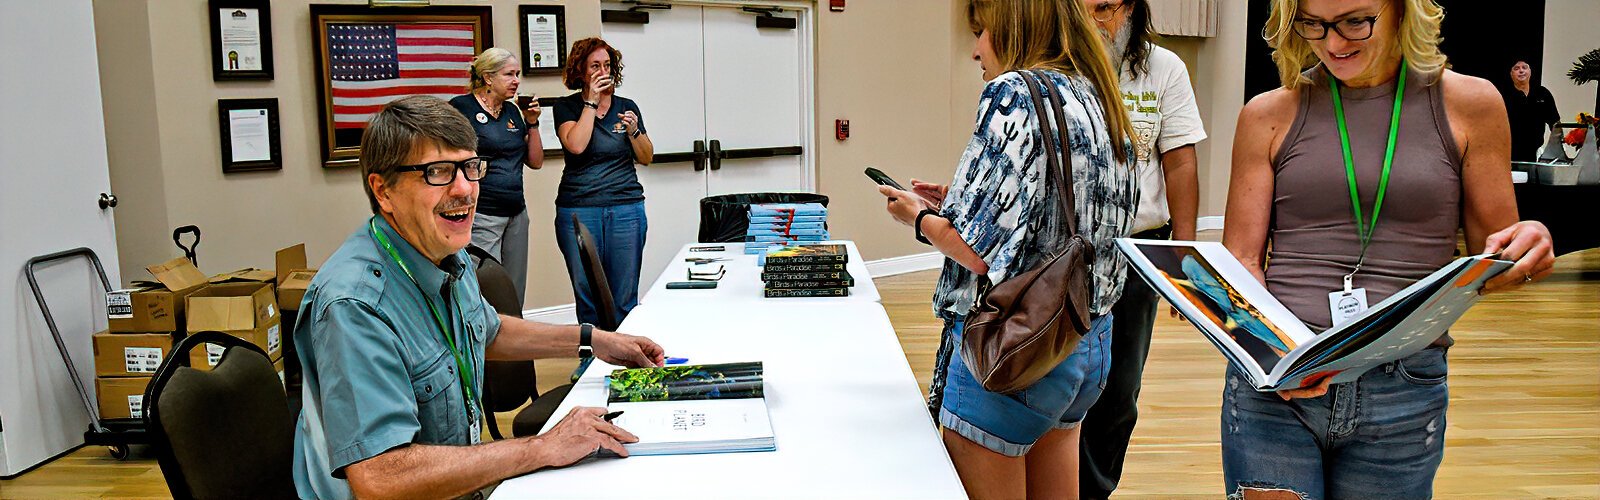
x=918 y=224
x=585 y=340
x=591 y=104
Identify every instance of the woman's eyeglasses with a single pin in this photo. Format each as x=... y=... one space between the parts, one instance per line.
x=1354 y=29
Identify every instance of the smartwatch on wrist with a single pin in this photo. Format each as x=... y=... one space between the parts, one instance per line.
x=585 y=340
x=918 y=224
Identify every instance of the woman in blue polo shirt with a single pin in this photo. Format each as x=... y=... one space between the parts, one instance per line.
x=510 y=140
x=604 y=136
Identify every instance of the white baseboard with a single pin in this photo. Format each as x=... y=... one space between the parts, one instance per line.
x=1208 y=223
x=567 y=314
x=564 y=314
x=905 y=264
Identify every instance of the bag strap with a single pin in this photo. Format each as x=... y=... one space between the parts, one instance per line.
x=1059 y=164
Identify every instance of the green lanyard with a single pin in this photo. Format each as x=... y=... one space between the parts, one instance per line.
x=444 y=329
x=1364 y=228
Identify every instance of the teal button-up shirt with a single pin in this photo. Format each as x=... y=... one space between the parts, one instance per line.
x=377 y=372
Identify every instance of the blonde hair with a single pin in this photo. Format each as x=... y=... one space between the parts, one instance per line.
x=1418 y=39
x=490 y=61
x=1057 y=35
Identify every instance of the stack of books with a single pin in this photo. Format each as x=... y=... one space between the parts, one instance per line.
x=806 y=270
x=691 y=409
x=780 y=224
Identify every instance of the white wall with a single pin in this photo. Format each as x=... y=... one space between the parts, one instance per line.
x=53 y=161
x=1569 y=31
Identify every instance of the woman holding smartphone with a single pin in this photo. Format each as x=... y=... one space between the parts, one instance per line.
x=604 y=137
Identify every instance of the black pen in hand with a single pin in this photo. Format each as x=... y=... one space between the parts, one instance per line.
x=612 y=416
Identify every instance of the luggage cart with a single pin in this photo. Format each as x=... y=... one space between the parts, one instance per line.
x=115 y=434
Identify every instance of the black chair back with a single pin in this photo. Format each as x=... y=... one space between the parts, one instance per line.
x=599 y=287
x=226 y=433
x=507 y=385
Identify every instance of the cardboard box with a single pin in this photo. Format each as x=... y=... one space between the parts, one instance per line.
x=130 y=354
x=293 y=276
x=269 y=338
x=155 y=307
x=121 y=397
x=231 y=307
x=246 y=275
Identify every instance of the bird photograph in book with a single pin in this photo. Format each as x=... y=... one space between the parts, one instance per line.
x=687 y=382
x=1270 y=345
x=807 y=254
x=675 y=410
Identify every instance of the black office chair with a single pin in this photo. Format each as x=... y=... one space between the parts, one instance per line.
x=507 y=385
x=595 y=273
x=226 y=433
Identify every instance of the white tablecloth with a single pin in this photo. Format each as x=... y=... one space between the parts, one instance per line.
x=847 y=414
x=743 y=281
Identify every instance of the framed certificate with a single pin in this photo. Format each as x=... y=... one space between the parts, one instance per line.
x=241 y=40
x=250 y=138
x=544 y=38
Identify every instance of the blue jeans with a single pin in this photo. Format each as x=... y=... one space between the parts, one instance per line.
x=1009 y=424
x=1381 y=436
x=619 y=239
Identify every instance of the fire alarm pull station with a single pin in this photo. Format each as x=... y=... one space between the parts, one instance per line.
x=836 y=5
x=841 y=129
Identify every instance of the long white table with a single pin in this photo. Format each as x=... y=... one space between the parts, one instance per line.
x=847 y=413
x=743 y=281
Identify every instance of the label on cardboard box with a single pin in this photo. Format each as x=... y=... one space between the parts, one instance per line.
x=136 y=405
x=142 y=359
x=214 y=354
x=119 y=304
x=273 y=337
x=271 y=310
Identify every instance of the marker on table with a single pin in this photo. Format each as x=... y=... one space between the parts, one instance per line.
x=676 y=361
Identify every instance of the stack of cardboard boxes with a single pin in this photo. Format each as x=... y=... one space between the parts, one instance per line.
x=148 y=319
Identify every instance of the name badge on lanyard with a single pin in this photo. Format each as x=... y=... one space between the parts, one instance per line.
x=1349 y=302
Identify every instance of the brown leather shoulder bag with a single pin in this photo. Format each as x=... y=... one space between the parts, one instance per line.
x=1021 y=328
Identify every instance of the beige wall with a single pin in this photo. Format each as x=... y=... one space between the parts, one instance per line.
x=899 y=70
x=1569 y=32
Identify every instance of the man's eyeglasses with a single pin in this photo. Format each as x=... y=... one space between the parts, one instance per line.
x=1354 y=29
x=443 y=172
x=1105 y=11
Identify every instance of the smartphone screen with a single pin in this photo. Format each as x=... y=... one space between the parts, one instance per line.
x=882 y=178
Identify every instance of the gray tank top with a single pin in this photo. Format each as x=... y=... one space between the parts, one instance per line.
x=1313 y=232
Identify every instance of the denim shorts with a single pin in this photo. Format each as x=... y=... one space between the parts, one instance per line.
x=1009 y=424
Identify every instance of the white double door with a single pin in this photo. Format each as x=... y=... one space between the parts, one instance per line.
x=727 y=105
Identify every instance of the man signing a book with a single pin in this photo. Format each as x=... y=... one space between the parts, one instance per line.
x=394 y=332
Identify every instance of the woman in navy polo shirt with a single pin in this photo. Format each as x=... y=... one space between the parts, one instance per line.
x=510 y=140
x=604 y=137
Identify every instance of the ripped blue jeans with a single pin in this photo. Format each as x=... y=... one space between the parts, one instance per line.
x=1381 y=436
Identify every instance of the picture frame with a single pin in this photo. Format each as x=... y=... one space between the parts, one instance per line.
x=250 y=137
x=543 y=36
x=360 y=65
x=241 y=39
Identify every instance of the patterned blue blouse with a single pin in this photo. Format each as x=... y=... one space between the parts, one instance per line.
x=1003 y=207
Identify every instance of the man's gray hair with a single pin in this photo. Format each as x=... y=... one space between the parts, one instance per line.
x=405 y=125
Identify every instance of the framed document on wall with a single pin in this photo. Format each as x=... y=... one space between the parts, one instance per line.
x=544 y=38
x=366 y=57
x=241 y=40
x=250 y=138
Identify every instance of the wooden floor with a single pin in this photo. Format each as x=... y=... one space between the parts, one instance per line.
x=1524 y=417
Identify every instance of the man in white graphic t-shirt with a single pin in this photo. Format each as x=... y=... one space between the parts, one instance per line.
x=1166 y=125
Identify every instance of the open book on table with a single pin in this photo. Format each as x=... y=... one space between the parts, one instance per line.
x=674 y=410
x=1270 y=345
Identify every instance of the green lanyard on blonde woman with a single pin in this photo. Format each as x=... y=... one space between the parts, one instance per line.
x=444 y=329
x=1364 y=228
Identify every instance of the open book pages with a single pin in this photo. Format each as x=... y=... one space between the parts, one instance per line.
x=713 y=408
x=700 y=426
x=1270 y=345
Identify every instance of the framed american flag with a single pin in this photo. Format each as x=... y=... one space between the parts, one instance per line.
x=368 y=56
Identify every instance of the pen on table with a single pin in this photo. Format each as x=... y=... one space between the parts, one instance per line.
x=613 y=415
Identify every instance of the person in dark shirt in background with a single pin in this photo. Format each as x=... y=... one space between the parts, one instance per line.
x=1532 y=111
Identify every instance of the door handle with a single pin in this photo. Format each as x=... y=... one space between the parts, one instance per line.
x=699 y=155
x=108 y=200
x=715 y=155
